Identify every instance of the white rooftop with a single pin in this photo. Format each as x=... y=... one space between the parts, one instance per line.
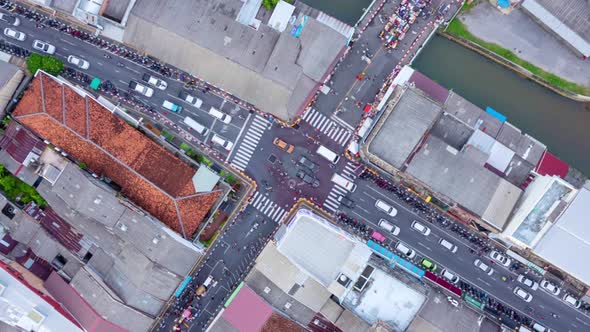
x=568 y=238
x=322 y=250
x=21 y=307
x=281 y=15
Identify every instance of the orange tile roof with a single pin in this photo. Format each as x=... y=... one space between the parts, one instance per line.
x=149 y=175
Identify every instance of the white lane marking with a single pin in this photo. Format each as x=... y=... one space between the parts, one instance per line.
x=67 y=42
x=485 y=282
x=99 y=63
x=133 y=70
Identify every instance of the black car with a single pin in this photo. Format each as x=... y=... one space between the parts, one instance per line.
x=346 y=201
x=308 y=178
x=308 y=163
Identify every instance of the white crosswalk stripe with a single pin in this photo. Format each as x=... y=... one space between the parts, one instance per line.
x=267 y=207
x=249 y=143
x=331 y=203
x=349 y=170
x=327 y=126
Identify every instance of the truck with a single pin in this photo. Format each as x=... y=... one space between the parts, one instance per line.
x=152 y=80
x=201 y=290
x=144 y=90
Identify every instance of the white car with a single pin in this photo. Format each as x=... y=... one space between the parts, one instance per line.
x=12 y=20
x=78 y=62
x=448 y=244
x=498 y=257
x=450 y=276
x=550 y=287
x=383 y=206
x=196 y=102
x=528 y=282
x=43 y=46
x=420 y=227
x=483 y=266
x=572 y=301
x=152 y=80
x=144 y=90
x=526 y=296
x=11 y=33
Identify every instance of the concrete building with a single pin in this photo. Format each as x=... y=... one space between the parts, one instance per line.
x=25 y=308
x=277 y=72
x=472 y=159
x=96 y=241
x=10 y=78
x=568 y=20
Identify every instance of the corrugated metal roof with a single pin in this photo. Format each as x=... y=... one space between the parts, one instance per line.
x=553 y=23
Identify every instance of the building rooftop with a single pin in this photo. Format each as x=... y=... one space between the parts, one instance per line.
x=110 y=147
x=115 y=10
x=406 y=123
x=568 y=19
x=569 y=235
x=322 y=250
x=261 y=66
x=461 y=176
x=25 y=307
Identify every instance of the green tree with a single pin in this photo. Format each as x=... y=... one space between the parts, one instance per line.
x=47 y=63
x=270 y=4
x=34 y=62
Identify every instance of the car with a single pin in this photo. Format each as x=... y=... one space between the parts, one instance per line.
x=283 y=145
x=196 y=102
x=428 y=264
x=144 y=90
x=572 y=300
x=78 y=62
x=171 y=106
x=405 y=250
x=43 y=46
x=528 y=282
x=498 y=257
x=420 y=227
x=10 y=19
x=448 y=245
x=308 y=178
x=526 y=296
x=550 y=287
x=483 y=266
x=152 y=80
x=346 y=201
x=386 y=225
x=308 y=163
x=385 y=207
x=11 y=33
x=450 y=276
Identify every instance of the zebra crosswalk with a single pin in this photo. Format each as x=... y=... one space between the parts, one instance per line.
x=248 y=145
x=327 y=126
x=350 y=170
x=267 y=207
x=331 y=202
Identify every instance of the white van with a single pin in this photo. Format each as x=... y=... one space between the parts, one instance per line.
x=407 y=251
x=225 y=118
x=386 y=225
x=222 y=142
x=171 y=106
x=343 y=182
x=539 y=328
x=199 y=128
x=328 y=154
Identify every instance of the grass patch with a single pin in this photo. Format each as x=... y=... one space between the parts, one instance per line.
x=185 y=147
x=14 y=188
x=457 y=28
x=208 y=242
x=469 y=6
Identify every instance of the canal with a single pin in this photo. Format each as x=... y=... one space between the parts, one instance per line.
x=558 y=122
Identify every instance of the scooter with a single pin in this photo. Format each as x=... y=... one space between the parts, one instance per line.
x=453 y=302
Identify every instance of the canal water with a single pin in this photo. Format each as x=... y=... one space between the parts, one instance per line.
x=560 y=123
x=347 y=11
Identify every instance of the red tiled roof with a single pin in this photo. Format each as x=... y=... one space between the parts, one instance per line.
x=551 y=165
x=82 y=311
x=148 y=174
x=57 y=227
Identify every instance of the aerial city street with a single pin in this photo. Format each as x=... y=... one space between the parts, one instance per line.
x=272 y=165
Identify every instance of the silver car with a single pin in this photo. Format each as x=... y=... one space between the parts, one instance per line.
x=78 y=62
x=43 y=46
x=483 y=266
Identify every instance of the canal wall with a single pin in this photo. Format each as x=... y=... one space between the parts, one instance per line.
x=514 y=67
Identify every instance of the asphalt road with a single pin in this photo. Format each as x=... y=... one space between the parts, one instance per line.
x=275 y=171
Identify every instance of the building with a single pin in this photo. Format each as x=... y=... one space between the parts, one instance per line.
x=10 y=78
x=568 y=20
x=87 y=131
x=26 y=308
x=245 y=311
x=316 y=274
x=95 y=240
x=277 y=72
x=470 y=158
